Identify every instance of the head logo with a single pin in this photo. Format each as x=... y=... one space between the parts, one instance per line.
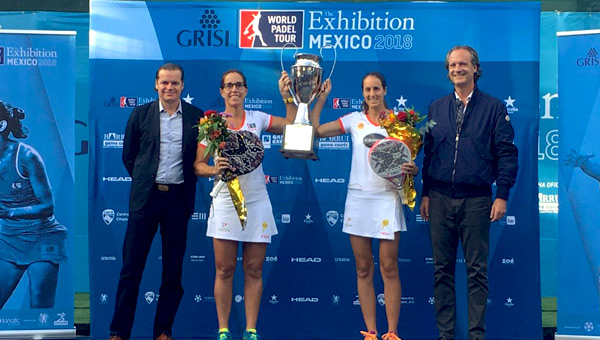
x=149 y=297
x=208 y=36
x=332 y=217
x=270 y=28
x=108 y=215
x=590 y=60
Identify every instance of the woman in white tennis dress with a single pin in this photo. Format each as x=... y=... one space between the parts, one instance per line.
x=373 y=208
x=223 y=222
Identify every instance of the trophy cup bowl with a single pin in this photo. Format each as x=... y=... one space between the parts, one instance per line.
x=306 y=76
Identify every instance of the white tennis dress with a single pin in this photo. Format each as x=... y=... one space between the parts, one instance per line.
x=223 y=221
x=373 y=207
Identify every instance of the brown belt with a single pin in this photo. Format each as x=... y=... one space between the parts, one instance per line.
x=167 y=187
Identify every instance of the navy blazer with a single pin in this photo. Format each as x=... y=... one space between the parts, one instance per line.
x=141 y=149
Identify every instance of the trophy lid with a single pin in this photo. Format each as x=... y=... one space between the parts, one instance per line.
x=308 y=56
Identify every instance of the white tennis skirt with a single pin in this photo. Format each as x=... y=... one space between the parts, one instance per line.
x=224 y=223
x=374 y=215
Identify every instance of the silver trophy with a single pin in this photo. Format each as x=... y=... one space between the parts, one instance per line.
x=306 y=76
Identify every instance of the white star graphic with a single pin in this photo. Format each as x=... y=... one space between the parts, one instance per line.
x=510 y=102
x=188 y=99
x=308 y=216
x=509 y=300
x=273 y=297
x=401 y=101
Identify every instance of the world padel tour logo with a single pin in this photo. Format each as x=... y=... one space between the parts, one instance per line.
x=207 y=34
x=270 y=28
x=591 y=58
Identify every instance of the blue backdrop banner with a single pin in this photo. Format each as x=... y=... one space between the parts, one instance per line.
x=309 y=275
x=579 y=174
x=37 y=174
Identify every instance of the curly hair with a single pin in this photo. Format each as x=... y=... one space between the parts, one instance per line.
x=10 y=118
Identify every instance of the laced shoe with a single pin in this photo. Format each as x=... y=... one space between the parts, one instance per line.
x=369 y=335
x=224 y=335
x=250 y=335
x=390 y=336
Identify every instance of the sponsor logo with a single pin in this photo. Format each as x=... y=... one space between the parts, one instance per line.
x=304 y=299
x=286 y=218
x=372 y=138
x=431 y=300
x=149 y=296
x=108 y=216
x=341 y=103
x=198 y=298
x=103 y=298
x=335 y=300
x=509 y=302
x=306 y=259
x=10 y=321
x=238 y=298
x=273 y=299
x=271 y=259
x=588 y=326
x=113 y=140
x=332 y=217
x=112 y=102
x=108 y=258
x=327 y=180
x=271 y=28
x=266 y=140
x=381 y=299
x=429 y=260
x=591 y=59
x=288 y=179
x=356 y=301
x=401 y=260
x=510 y=106
x=43 y=318
x=508 y=261
x=342 y=259
x=128 y=102
x=116 y=179
x=28 y=56
x=61 y=320
x=408 y=300
x=197 y=258
x=207 y=34
x=271 y=141
x=198 y=216
x=258 y=103
x=341 y=142
x=308 y=219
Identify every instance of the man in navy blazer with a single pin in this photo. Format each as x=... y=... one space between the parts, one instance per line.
x=158 y=152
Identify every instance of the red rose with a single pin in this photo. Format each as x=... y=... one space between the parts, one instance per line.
x=402 y=116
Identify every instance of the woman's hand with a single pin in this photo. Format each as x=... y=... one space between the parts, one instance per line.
x=285 y=83
x=221 y=164
x=410 y=168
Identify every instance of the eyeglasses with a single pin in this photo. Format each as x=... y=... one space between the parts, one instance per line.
x=238 y=85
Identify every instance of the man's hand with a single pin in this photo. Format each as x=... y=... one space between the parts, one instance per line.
x=424 y=209
x=498 y=209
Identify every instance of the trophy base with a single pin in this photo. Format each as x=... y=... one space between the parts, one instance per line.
x=298 y=142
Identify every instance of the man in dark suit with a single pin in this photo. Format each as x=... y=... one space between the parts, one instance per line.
x=158 y=152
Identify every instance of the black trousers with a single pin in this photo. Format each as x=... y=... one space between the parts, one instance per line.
x=169 y=210
x=467 y=220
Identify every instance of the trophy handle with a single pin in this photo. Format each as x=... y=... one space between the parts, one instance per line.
x=321 y=52
x=282 y=68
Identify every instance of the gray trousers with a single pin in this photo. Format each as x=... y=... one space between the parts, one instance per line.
x=467 y=220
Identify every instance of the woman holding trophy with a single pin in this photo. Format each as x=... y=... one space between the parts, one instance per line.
x=373 y=207
x=225 y=224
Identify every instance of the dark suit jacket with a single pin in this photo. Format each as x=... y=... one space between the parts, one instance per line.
x=141 y=148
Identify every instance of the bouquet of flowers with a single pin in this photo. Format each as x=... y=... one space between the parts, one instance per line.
x=213 y=128
x=401 y=123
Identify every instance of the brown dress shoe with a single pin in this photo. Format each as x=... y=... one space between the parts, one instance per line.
x=115 y=337
x=164 y=337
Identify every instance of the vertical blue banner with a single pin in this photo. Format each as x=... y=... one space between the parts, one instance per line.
x=579 y=177
x=37 y=183
x=309 y=273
